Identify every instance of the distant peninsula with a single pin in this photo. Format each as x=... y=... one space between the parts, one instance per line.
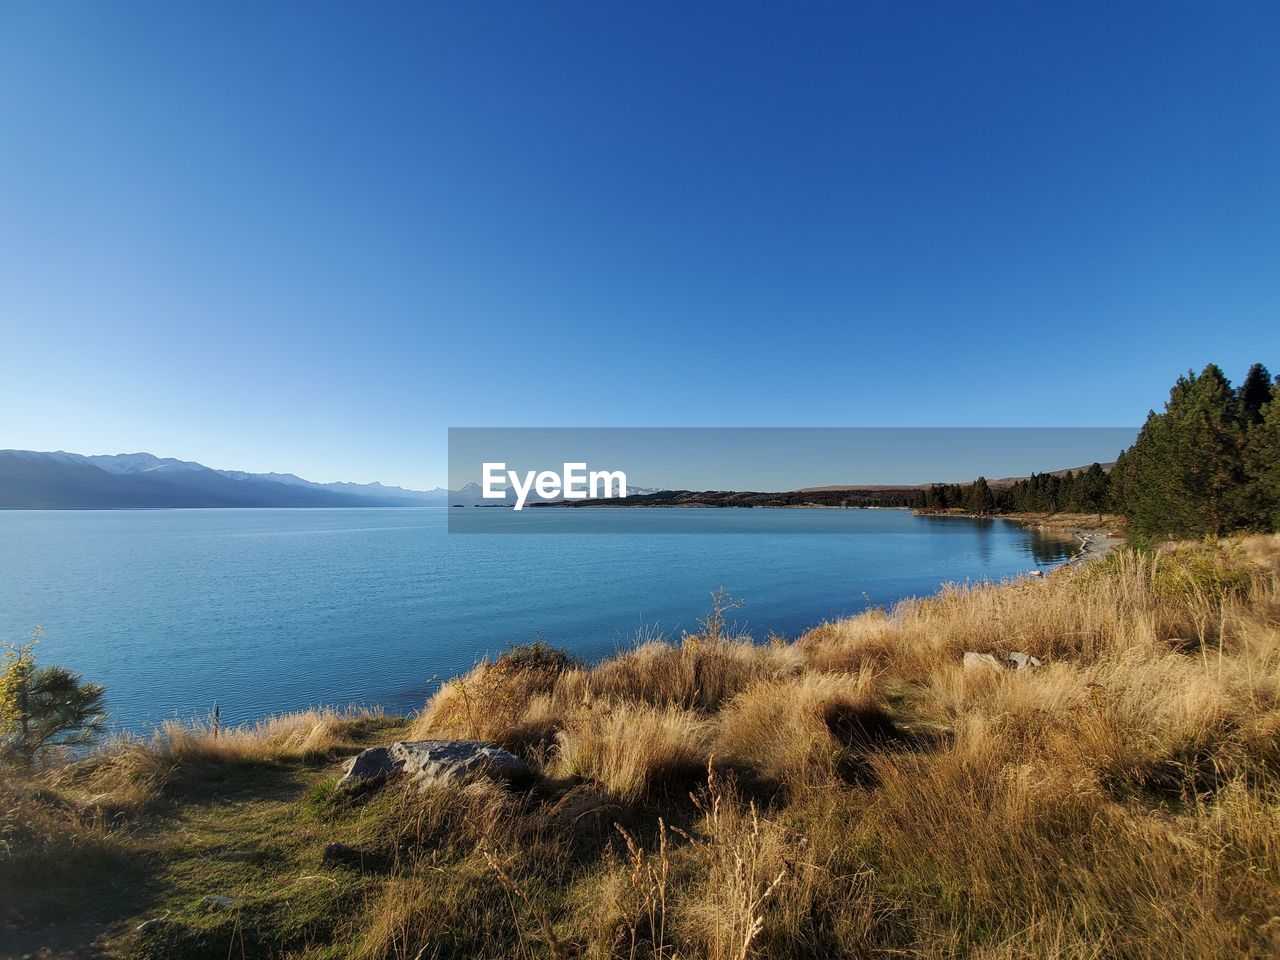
x=1078 y=489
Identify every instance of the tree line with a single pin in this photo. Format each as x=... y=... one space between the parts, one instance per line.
x=1207 y=465
x=1072 y=491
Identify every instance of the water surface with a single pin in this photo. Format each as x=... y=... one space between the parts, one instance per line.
x=265 y=611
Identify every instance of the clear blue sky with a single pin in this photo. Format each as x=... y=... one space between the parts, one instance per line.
x=309 y=237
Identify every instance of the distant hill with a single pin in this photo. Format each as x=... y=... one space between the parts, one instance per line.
x=852 y=495
x=31 y=480
x=998 y=484
x=818 y=496
x=386 y=495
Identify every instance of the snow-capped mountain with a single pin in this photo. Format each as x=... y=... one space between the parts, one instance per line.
x=122 y=463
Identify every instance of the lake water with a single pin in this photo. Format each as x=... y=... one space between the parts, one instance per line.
x=265 y=611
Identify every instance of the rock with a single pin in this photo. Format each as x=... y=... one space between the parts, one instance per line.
x=438 y=761
x=218 y=903
x=1024 y=661
x=430 y=762
x=369 y=768
x=980 y=661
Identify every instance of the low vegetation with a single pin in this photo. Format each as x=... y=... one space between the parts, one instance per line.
x=857 y=792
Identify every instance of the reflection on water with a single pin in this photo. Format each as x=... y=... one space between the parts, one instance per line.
x=1052 y=548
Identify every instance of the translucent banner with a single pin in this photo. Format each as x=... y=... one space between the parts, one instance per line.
x=661 y=480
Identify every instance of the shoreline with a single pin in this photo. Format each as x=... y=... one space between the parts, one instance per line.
x=1096 y=534
x=1095 y=539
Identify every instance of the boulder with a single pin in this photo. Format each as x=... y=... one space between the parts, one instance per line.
x=369 y=768
x=980 y=661
x=1024 y=661
x=431 y=762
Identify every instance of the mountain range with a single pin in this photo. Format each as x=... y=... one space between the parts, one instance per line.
x=31 y=480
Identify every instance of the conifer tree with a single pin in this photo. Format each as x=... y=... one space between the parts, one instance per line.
x=1255 y=393
x=1184 y=476
x=981 y=500
x=44 y=707
x=1262 y=467
x=1093 y=493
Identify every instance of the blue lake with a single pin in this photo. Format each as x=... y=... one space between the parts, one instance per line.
x=265 y=611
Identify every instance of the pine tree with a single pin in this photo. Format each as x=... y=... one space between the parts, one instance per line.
x=44 y=707
x=1255 y=393
x=1262 y=468
x=1184 y=476
x=1093 y=494
x=933 y=498
x=981 y=500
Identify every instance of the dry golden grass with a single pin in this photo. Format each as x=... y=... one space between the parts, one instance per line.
x=632 y=748
x=793 y=729
x=697 y=674
x=525 y=703
x=126 y=775
x=1121 y=801
x=491 y=702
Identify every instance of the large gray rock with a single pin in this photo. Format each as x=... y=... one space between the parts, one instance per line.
x=369 y=768
x=430 y=762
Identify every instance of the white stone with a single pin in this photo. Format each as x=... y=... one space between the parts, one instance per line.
x=980 y=661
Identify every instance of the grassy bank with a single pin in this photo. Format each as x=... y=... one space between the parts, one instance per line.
x=856 y=792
